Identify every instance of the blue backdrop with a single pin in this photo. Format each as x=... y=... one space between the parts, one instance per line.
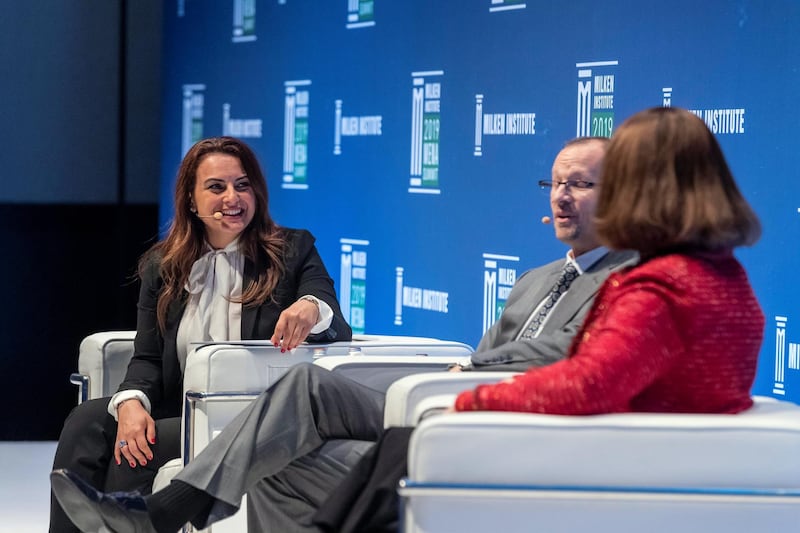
x=408 y=135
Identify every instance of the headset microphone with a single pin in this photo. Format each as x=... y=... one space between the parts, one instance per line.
x=545 y=220
x=215 y=216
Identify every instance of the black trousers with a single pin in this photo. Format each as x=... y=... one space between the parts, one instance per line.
x=286 y=502
x=86 y=447
x=366 y=501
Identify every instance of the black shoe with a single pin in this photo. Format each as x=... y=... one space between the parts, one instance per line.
x=93 y=511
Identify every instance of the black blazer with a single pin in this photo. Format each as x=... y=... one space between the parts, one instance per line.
x=154 y=368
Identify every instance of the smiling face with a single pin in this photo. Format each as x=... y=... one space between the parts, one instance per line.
x=573 y=209
x=221 y=186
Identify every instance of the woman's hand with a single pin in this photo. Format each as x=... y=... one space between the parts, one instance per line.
x=295 y=324
x=137 y=430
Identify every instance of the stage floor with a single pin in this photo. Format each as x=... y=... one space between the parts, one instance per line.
x=25 y=485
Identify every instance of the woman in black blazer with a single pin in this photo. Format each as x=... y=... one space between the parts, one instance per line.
x=225 y=271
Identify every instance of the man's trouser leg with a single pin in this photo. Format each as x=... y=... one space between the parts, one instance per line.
x=288 y=500
x=306 y=407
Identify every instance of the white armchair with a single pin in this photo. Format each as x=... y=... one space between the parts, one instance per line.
x=606 y=473
x=220 y=379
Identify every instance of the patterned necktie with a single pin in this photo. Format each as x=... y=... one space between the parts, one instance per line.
x=568 y=274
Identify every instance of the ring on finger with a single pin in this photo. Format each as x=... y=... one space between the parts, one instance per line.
x=123 y=443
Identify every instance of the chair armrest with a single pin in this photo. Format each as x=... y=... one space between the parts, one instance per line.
x=388 y=345
x=404 y=339
x=405 y=395
x=380 y=371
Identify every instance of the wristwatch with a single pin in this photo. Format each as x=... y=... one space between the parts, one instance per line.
x=313 y=300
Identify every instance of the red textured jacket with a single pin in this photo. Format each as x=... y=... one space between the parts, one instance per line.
x=678 y=333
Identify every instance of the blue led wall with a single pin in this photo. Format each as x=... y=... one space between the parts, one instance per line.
x=408 y=135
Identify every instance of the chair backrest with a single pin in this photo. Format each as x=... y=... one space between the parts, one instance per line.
x=102 y=362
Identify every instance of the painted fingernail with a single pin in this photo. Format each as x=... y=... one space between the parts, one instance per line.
x=153 y=440
x=119 y=462
x=133 y=465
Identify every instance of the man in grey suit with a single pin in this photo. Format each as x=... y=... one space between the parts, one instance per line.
x=286 y=449
x=573 y=194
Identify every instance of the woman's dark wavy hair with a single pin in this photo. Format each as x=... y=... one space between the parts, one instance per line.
x=666 y=185
x=262 y=241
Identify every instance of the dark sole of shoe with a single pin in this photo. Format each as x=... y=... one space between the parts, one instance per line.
x=77 y=505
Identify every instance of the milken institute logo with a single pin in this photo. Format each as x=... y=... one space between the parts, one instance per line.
x=360 y=14
x=192 y=116
x=353 y=282
x=492 y=124
x=416 y=298
x=721 y=121
x=499 y=276
x=781 y=361
x=244 y=21
x=295 y=135
x=596 y=98
x=425 y=126
x=354 y=126
x=239 y=127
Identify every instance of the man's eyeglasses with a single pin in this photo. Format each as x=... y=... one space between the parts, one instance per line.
x=581 y=185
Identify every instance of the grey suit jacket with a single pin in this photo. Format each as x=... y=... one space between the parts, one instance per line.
x=498 y=349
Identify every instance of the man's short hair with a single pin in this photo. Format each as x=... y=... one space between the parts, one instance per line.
x=584 y=140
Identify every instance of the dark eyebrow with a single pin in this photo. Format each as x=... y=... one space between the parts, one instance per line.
x=218 y=180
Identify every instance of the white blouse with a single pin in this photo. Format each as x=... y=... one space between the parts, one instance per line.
x=212 y=312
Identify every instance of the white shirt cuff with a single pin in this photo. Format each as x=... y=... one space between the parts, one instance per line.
x=124 y=395
x=325 y=315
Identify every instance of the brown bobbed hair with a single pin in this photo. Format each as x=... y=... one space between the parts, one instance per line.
x=666 y=186
x=262 y=241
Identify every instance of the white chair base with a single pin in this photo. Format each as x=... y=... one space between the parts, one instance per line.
x=477 y=509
